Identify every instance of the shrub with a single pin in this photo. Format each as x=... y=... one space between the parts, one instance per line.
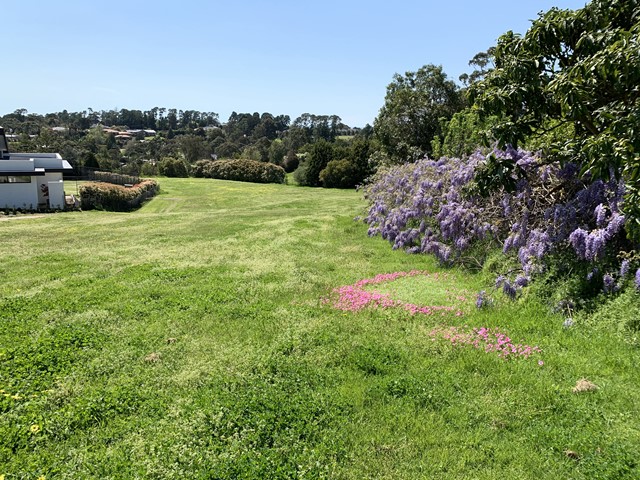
x=240 y=170
x=199 y=168
x=291 y=161
x=300 y=174
x=149 y=168
x=116 y=198
x=339 y=174
x=173 y=167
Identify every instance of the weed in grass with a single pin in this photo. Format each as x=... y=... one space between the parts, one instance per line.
x=584 y=385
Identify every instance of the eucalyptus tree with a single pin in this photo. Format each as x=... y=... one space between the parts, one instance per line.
x=416 y=104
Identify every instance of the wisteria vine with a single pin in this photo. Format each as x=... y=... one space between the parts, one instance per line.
x=430 y=207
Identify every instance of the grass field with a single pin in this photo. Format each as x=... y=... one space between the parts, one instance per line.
x=197 y=338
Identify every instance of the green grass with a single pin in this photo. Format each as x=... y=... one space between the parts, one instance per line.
x=190 y=339
x=451 y=290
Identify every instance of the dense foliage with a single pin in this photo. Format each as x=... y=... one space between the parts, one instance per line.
x=336 y=165
x=554 y=222
x=241 y=170
x=580 y=68
x=321 y=153
x=415 y=106
x=173 y=167
x=107 y=196
x=339 y=174
x=171 y=145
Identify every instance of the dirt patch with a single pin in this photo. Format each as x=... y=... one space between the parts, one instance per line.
x=584 y=385
x=19 y=217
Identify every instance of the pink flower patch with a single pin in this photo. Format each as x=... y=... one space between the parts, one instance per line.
x=487 y=339
x=353 y=298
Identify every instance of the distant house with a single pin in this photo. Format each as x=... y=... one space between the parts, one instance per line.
x=31 y=180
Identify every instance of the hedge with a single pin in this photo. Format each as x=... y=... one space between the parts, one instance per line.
x=106 y=196
x=240 y=170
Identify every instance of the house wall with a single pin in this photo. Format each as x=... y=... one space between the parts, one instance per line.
x=44 y=191
x=19 y=195
x=56 y=194
x=46 y=197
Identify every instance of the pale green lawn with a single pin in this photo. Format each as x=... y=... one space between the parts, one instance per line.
x=189 y=339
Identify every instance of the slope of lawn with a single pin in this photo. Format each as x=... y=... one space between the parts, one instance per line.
x=198 y=338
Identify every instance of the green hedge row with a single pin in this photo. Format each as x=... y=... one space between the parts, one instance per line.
x=240 y=170
x=106 y=196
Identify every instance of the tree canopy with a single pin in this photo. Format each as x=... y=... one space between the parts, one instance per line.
x=411 y=117
x=578 y=68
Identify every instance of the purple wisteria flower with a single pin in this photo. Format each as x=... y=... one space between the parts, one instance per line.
x=509 y=289
x=624 y=268
x=637 y=280
x=482 y=300
x=431 y=207
x=600 y=213
x=608 y=283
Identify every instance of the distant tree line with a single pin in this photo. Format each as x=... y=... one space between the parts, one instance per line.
x=122 y=140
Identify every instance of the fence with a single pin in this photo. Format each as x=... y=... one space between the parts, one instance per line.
x=97 y=175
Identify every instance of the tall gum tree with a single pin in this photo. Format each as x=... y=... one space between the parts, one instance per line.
x=415 y=105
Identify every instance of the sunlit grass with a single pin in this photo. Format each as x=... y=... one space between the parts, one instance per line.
x=447 y=289
x=189 y=339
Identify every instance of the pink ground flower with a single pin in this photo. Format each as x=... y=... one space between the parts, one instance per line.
x=487 y=339
x=353 y=298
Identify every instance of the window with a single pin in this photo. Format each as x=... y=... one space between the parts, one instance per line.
x=15 y=179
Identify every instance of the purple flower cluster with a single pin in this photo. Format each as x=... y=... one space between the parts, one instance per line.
x=429 y=207
x=421 y=208
x=482 y=300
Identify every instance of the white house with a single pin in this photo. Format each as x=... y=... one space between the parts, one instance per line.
x=31 y=180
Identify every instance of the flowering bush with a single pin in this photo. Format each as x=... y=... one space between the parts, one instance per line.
x=551 y=213
x=117 y=198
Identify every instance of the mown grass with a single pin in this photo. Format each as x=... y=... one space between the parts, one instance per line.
x=190 y=339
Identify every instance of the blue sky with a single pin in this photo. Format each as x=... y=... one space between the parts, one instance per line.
x=283 y=57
